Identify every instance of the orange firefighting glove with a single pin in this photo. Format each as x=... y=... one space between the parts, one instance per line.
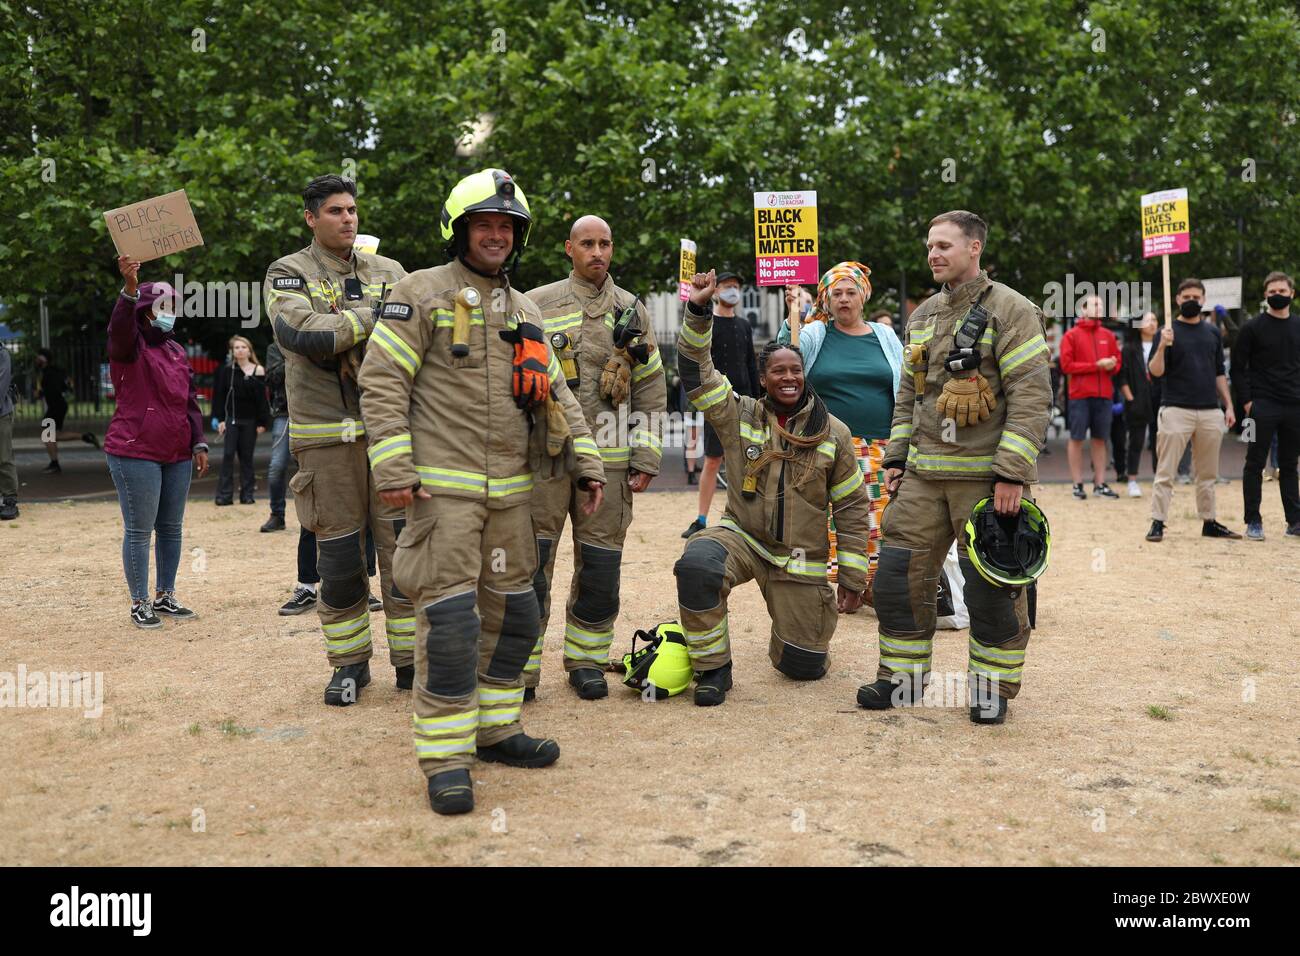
x=531 y=380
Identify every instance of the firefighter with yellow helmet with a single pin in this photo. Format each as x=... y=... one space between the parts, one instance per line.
x=466 y=408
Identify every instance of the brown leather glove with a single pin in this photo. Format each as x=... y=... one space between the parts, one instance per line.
x=616 y=378
x=966 y=400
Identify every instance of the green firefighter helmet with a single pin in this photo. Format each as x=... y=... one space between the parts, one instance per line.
x=488 y=190
x=1009 y=551
x=663 y=664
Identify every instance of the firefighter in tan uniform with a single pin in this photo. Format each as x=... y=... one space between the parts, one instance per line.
x=788 y=459
x=601 y=334
x=466 y=408
x=321 y=302
x=970 y=419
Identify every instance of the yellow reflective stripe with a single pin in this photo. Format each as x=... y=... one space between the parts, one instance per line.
x=616 y=454
x=752 y=434
x=827 y=448
x=1009 y=674
x=846 y=487
x=904 y=664
x=808 y=569
x=499 y=695
x=503 y=487
x=713 y=396
x=446 y=318
x=976 y=463
x=995 y=655
x=851 y=559
x=704 y=643
x=562 y=323
x=988 y=337
x=644 y=439
x=1020 y=446
x=381 y=451
x=585 y=445
x=446 y=478
x=922 y=646
x=770 y=558
x=358 y=330
x=645 y=370
x=347 y=627
x=584 y=645
x=439 y=725
x=921 y=335
x=695 y=339
x=325 y=429
x=276 y=293
x=402 y=353
x=1022 y=353
x=901 y=431
x=553 y=370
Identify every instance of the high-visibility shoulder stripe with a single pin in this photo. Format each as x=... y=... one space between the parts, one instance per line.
x=562 y=323
x=1022 y=353
x=827 y=448
x=644 y=371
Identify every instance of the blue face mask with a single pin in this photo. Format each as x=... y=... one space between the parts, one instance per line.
x=163 y=322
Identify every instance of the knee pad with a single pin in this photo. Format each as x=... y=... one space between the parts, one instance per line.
x=799 y=663
x=891 y=590
x=540 y=587
x=451 y=646
x=520 y=621
x=597 y=584
x=992 y=609
x=342 y=572
x=701 y=571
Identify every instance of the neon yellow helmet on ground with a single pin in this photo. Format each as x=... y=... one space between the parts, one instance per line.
x=488 y=190
x=1009 y=551
x=663 y=664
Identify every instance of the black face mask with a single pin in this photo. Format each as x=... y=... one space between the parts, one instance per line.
x=1190 y=309
x=1279 y=302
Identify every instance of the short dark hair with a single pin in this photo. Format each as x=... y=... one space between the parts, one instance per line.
x=1279 y=277
x=322 y=187
x=881 y=312
x=971 y=225
x=1192 y=283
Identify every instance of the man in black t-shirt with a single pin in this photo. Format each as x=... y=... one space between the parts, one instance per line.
x=732 y=353
x=1188 y=359
x=1266 y=371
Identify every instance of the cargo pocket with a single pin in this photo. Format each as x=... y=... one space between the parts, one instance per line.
x=304 y=499
x=412 y=558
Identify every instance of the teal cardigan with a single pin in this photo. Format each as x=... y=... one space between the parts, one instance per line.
x=812 y=335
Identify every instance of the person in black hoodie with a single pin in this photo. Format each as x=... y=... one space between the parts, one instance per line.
x=240 y=406
x=1135 y=386
x=1266 y=367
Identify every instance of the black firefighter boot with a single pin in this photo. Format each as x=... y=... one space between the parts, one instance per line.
x=589 y=683
x=884 y=693
x=451 y=792
x=345 y=685
x=521 y=750
x=711 y=686
x=987 y=706
x=405 y=676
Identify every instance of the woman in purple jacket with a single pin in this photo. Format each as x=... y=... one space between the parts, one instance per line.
x=155 y=432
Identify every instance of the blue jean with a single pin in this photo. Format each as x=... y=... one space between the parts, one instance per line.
x=152 y=497
x=279 y=463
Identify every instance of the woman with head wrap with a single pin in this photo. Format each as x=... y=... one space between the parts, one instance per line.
x=854 y=366
x=157 y=428
x=789 y=460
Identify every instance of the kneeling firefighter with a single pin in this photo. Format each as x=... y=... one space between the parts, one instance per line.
x=602 y=337
x=796 y=459
x=465 y=405
x=969 y=421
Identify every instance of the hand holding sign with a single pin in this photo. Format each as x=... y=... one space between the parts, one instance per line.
x=130 y=270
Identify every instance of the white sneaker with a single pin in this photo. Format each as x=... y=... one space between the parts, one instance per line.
x=1134 y=489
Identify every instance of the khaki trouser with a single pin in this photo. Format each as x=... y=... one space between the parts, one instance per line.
x=592 y=607
x=803 y=613
x=1203 y=427
x=469 y=570
x=8 y=472
x=335 y=497
x=922 y=519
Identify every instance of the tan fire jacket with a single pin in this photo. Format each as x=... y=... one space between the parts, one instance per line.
x=627 y=435
x=451 y=424
x=313 y=324
x=1015 y=362
x=785 y=526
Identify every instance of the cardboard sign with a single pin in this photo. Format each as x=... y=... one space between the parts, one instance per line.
x=686 y=270
x=1225 y=291
x=1166 y=228
x=785 y=238
x=154 y=228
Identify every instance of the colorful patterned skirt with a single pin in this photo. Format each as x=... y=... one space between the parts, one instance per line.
x=871 y=458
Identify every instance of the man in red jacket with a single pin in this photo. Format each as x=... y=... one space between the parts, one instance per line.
x=1090 y=357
